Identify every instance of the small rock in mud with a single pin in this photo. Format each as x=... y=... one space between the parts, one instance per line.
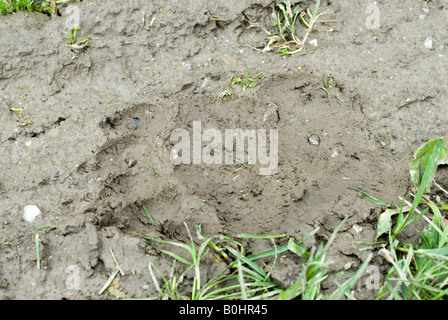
x=135 y=122
x=306 y=99
x=430 y=43
x=314 y=140
x=72 y=181
x=31 y=212
x=131 y=163
x=200 y=90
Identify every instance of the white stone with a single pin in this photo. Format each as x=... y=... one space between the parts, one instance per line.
x=429 y=43
x=335 y=154
x=31 y=212
x=357 y=228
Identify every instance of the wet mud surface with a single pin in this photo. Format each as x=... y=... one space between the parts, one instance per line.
x=92 y=145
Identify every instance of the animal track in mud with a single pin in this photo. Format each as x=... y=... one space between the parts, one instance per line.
x=130 y=165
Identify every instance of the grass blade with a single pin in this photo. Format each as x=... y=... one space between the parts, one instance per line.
x=149 y=216
x=333 y=235
x=177 y=244
x=176 y=256
x=249 y=262
x=241 y=280
x=370 y=198
x=109 y=281
x=154 y=280
x=268 y=253
x=298 y=248
x=37 y=251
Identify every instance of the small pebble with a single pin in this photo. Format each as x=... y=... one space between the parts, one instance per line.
x=357 y=228
x=430 y=43
x=135 y=122
x=31 y=212
x=131 y=163
x=314 y=140
x=201 y=90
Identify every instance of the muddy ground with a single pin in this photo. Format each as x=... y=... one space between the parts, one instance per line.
x=97 y=147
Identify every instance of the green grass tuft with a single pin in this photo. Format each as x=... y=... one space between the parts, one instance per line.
x=287 y=18
x=11 y=6
x=417 y=272
x=243 y=278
